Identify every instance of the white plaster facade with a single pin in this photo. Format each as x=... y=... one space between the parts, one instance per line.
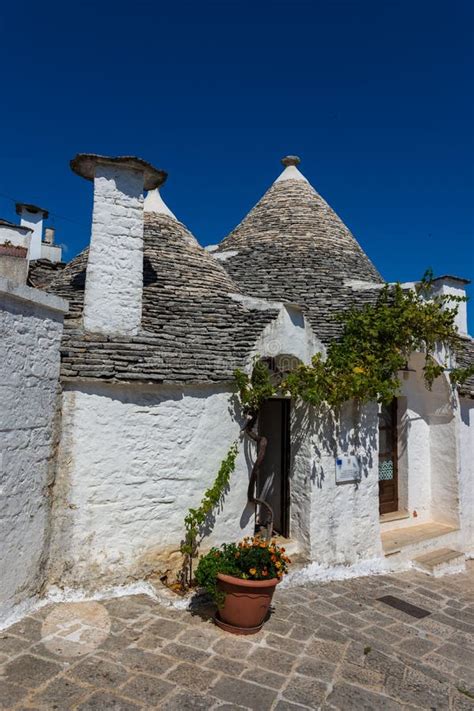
x=133 y=460
x=427 y=447
x=31 y=324
x=15 y=235
x=466 y=474
x=344 y=518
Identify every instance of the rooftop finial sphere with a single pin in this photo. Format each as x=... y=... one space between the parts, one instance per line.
x=291 y=160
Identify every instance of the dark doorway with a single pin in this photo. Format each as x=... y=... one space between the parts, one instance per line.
x=388 y=458
x=273 y=484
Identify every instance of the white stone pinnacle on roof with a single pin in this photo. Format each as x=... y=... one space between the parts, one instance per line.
x=291 y=172
x=154 y=203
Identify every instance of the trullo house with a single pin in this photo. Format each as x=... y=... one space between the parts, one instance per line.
x=119 y=399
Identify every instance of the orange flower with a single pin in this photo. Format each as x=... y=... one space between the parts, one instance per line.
x=282 y=549
x=265 y=572
x=278 y=564
x=252 y=571
x=274 y=558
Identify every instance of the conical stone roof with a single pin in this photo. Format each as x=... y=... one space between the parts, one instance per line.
x=293 y=247
x=192 y=329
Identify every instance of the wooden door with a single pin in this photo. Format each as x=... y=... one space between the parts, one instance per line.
x=388 y=458
x=273 y=480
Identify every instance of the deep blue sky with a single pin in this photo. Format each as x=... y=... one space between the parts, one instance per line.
x=374 y=95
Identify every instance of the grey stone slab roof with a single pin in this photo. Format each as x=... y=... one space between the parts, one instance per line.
x=465 y=359
x=7 y=223
x=192 y=330
x=293 y=247
x=452 y=277
x=41 y=272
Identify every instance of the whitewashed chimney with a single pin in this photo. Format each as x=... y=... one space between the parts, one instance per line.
x=32 y=216
x=49 y=235
x=49 y=250
x=114 y=276
x=454 y=286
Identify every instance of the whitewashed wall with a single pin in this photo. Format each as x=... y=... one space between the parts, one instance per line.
x=338 y=523
x=133 y=460
x=30 y=334
x=466 y=483
x=428 y=450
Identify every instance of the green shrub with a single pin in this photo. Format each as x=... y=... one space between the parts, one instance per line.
x=251 y=559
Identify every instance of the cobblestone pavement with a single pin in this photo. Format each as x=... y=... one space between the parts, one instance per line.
x=329 y=646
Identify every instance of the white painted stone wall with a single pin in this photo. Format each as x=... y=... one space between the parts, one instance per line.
x=114 y=277
x=30 y=332
x=288 y=334
x=16 y=235
x=133 y=460
x=466 y=479
x=53 y=252
x=428 y=449
x=338 y=523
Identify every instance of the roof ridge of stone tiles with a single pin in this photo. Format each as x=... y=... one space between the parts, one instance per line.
x=289 y=193
x=292 y=246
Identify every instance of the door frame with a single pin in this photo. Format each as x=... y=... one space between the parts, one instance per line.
x=285 y=463
x=391 y=506
x=285 y=466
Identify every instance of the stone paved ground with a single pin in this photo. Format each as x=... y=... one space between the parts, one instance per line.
x=329 y=646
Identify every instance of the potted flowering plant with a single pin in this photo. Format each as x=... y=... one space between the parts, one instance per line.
x=241 y=578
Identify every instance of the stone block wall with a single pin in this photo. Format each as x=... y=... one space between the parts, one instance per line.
x=31 y=324
x=133 y=459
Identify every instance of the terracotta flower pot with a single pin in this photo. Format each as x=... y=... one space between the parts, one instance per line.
x=246 y=603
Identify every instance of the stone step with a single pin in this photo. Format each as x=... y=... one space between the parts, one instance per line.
x=444 y=561
x=414 y=539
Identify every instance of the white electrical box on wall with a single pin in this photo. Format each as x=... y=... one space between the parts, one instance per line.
x=348 y=469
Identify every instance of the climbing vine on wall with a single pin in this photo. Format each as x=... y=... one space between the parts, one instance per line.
x=376 y=343
x=197 y=518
